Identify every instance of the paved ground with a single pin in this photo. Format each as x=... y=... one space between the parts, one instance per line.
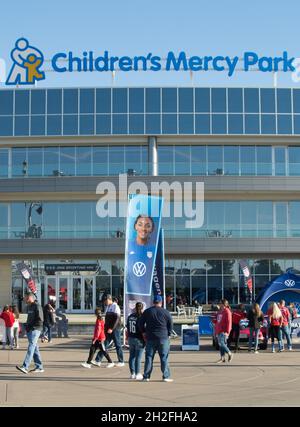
x=262 y=379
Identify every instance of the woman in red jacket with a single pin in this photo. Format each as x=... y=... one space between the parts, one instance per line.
x=9 y=320
x=223 y=328
x=98 y=342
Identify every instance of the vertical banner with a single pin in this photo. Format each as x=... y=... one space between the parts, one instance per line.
x=247 y=276
x=158 y=283
x=26 y=273
x=143 y=242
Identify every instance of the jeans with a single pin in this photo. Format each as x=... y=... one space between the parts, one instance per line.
x=33 y=350
x=16 y=336
x=47 y=331
x=256 y=331
x=285 y=330
x=235 y=335
x=115 y=336
x=222 y=340
x=136 y=350
x=96 y=346
x=8 y=336
x=163 y=348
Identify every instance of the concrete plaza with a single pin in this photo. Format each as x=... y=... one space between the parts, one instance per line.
x=249 y=380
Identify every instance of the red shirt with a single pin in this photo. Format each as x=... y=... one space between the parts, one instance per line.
x=274 y=322
x=285 y=315
x=237 y=316
x=99 y=334
x=224 y=321
x=8 y=318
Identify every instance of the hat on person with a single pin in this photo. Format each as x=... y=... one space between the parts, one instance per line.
x=157 y=298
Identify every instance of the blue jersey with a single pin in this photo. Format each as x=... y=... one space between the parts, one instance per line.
x=140 y=259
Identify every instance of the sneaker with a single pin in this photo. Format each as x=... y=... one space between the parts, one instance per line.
x=93 y=362
x=139 y=377
x=120 y=364
x=280 y=350
x=256 y=351
x=11 y=348
x=132 y=376
x=168 y=380
x=290 y=349
x=86 y=365
x=22 y=369
x=110 y=365
x=230 y=356
x=222 y=360
x=146 y=380
x=273 y=350
x=37 y=370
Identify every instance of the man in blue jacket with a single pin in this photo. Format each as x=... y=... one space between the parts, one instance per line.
x=156 y=324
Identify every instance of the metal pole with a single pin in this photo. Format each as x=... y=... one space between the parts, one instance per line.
x=153 y=160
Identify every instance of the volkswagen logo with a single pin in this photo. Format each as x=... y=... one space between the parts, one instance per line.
x=289 y=283
x=139 y=269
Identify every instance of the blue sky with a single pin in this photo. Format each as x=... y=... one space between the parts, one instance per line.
x=137 y=27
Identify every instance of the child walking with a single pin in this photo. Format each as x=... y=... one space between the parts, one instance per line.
x=98 y=342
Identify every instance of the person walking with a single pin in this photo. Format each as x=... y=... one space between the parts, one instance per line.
x=256 y=318
x=285 y=328
x=156 y=325
x=293 y=315
x=237 y=315
x=9 y=320
x=275 y=321
x=49 y=321
x=136 y=342
x=98 y=342
x=34 y=326
x=16 y=326
x=223 y=328
x=112 y=331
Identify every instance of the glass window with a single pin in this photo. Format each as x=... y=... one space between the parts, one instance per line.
x=6 y=126
x=169 y=100
x=284 y=123
x=70 y=101
x=215 y=160
x=67 y=220
x=284 y=102
x=202 y=100
x=51 y=220
x=19 y=161
x=268 y=124
x=51 y=161
x=18 y=220
x=296 y=100
x=294 y=219
x=54 y=101
x=136 y=100
x=3 y=163
x=169 y=123
x=251 y=99
x=264 y=160
x=120 y=101
x=248 y=219
x=166 y=160
x=186 y=123
x=294 y=161
x=296 y=124
x=214 y=287
x=182 y=289
x=3 y=220
x=219 y=124
x=116 y=160
x=37 y=125
x=202 y=123
x=265 y=219
x=235 y=100
x=83 y=216
x=103 y=124
x=198 y=156
x=21 y=125
x=35 y=161
x=70 y=123
x=281 y=219
x=267 y=99
x=103 y=100
x=83 y=161
x=87 y=100
x=218 y=100
x=235 y=124
x=280 y=161
x=186 y=100
x=252 y=123
x=182 y=160
x=247 y=154
x=153 y=100
x=38 y=101
x=100 y=161
x=67 y=160
x=133 y=158
x=232 y=221
x=231 y=160
x=215 y=219
x=262 y=266
x=144 y=166
x=99 y=227
x=86 y=124
x=136 y=123
x=153 y=123
x=231 y=287
x=54 y=125
x=120 y=123
x=6 y=102
x=22 y=101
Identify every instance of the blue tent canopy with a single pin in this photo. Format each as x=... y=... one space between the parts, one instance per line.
x=286 y=286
